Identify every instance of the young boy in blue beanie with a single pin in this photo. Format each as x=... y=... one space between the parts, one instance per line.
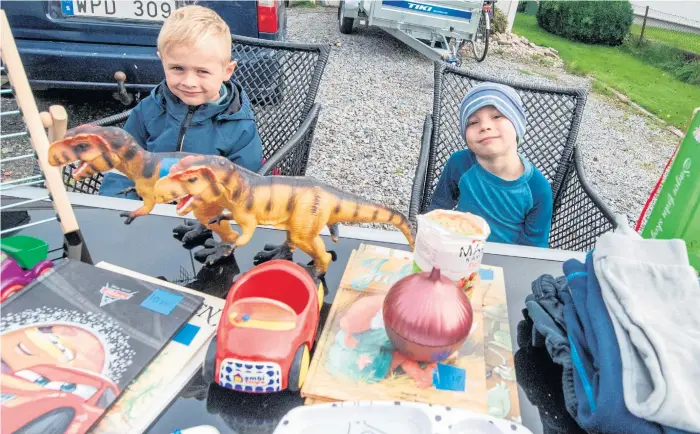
x=491 y=178
x=197 y=108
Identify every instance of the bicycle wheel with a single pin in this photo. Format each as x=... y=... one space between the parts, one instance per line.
x=480 y=43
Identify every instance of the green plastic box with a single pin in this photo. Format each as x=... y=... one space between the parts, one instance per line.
x=26 y=250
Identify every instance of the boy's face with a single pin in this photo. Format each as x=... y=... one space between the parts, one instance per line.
x=490 y=134
x=195 y=73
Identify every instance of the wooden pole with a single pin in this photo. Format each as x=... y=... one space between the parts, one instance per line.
x=35 y=126
x=644 y=24
x=60 y=122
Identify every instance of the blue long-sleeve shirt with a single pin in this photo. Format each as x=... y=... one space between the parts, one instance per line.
x=518 y=211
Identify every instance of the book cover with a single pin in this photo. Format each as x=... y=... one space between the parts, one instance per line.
x=75 y=338
x=676 y=212
x=354 y=360
x=163 y=379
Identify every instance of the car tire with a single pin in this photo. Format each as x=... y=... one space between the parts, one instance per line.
x=55 y=421
x=299 y=369
x=209 y=365
x=344 y=23
x=43 y=267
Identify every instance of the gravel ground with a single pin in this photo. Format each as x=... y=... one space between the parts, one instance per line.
x=375 y=93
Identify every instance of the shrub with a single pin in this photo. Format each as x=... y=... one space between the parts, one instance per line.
x=500 y=21
x=591 y=22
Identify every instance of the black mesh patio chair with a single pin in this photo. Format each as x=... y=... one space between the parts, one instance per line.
x=553 y=119
x=282 y=80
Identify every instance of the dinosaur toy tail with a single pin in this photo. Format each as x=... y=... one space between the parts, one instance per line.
x=353 y=212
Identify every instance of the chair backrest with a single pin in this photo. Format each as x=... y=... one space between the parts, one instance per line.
x=280 y=78
x=282 y=81
x=553 y=118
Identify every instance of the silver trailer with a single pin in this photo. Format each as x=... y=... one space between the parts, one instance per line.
x=435 y=28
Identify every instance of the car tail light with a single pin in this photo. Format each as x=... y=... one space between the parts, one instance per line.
x=267 y=16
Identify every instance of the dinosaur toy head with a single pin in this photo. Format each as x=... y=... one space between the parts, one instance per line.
x=96 y=149
x=192 y=187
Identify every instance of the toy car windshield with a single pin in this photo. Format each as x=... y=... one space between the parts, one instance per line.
x=262 y=313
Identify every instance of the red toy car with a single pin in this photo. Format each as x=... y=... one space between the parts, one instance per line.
x=49 y=398
x=266 y=330
x=15 y=278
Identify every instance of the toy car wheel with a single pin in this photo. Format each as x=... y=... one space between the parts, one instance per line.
x=10 y=291
x=44 y=268
x=299 y=369
x=209 y=365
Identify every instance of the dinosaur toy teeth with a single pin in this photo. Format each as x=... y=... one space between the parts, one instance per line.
x=81 y=168
x=184 y=201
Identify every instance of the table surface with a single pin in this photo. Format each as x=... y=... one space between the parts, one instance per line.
x=147 y=246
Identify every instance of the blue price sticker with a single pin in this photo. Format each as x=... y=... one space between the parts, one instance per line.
x=485 y=274
x=186 y=334
x=447 y=377
x=162 y=301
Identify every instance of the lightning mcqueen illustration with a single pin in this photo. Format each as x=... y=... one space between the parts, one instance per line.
x=53 y=399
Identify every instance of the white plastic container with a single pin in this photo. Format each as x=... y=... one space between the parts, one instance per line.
x=357 y=417
x=450 y=244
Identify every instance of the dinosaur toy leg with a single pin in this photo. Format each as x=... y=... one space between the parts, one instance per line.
x=317 y=250
x=196 y=234
x=145 y=209
x=192 y=233
x=272 y=251
x=126 y=190
x=214 y=252
x=333 y=229
x=222 y=228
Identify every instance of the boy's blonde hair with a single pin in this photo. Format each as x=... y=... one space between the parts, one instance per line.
x=190 y=25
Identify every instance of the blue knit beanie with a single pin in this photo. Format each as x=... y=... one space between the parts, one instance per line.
x=504 y=98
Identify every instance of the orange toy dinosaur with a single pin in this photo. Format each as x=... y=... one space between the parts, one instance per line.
x=300 y=205
x=100 y=149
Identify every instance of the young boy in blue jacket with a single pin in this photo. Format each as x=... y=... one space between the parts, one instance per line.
x=197 y=108
x=491 y=178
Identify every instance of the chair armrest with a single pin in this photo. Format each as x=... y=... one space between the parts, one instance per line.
x=112 y=120
x=421 y=170
x=580 y=215
x=306 y=127
x=597 y=201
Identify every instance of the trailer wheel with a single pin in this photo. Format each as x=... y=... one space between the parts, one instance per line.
x=480 y=43
x=344 y=23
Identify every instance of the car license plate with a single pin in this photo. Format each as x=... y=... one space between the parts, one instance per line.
x=140 y=10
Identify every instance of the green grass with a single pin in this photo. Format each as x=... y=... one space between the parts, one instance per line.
x=665 y=57
x=655 y=90
x=685 y=41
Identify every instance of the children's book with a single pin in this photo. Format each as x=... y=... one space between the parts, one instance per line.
x=354 y=359
x=162 y=380
x=75 y=338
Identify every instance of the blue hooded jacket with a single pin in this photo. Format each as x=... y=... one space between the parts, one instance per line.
x=163 y=123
